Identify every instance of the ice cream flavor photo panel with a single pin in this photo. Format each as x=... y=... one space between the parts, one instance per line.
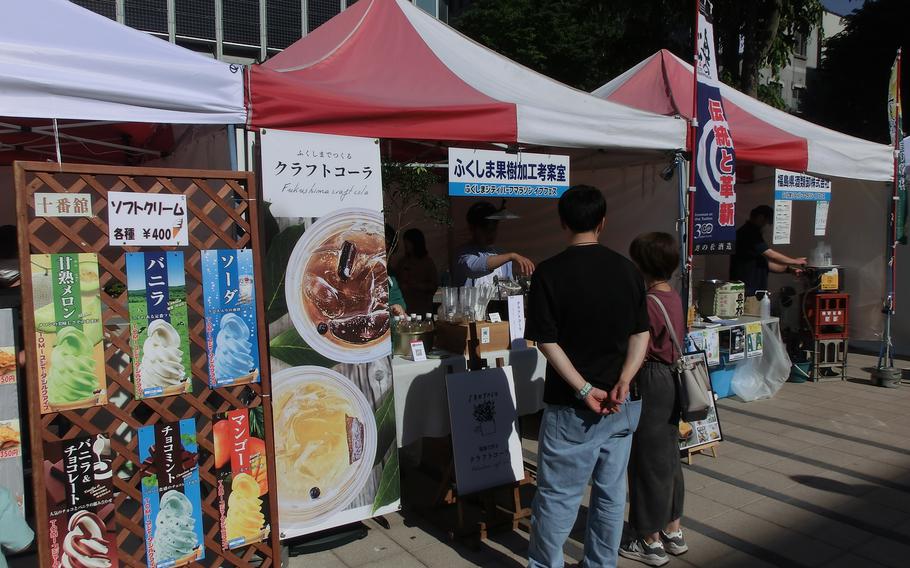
x=242 y=473
x=232 y=339
x=171 y=494
x=68 y=331
x=156 y=292
x=80 y=499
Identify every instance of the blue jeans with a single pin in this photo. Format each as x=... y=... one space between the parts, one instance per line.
x=576 y=446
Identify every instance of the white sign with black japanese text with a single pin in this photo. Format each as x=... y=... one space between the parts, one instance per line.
x=484 y=419
x=311 y=175
x=63 y=205
x=147 y=219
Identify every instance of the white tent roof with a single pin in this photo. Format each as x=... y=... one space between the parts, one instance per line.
x=58 y=60
x=762 y=134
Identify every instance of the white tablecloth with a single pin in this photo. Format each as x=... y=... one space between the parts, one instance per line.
x=421 y=407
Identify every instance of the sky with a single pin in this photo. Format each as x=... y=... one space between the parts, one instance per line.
x=842 y=7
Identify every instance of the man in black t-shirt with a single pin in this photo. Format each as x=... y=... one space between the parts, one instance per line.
x=754 y=259
x=588 y=313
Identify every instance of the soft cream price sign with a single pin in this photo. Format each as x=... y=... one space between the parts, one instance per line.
x=147 y=219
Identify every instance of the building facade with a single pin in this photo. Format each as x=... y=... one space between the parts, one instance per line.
x=795 y=78
x=238 y=31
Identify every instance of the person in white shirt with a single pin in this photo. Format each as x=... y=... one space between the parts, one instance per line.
x=478 y=262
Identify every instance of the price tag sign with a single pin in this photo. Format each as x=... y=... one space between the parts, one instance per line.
x=418 y=351
x=494 y=317
x=484 y=335
x=147 y=219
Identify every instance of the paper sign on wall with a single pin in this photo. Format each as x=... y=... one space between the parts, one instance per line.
x=63 y=205
x=312 y=175
x=821 y=217
x=490 y=173
x=483 y=415
x=147 y=219
x=517 y=320
x=783 y=214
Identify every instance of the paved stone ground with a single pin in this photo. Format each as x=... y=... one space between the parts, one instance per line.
x=817 y=476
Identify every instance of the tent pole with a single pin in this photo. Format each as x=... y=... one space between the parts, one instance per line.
x=682 y=229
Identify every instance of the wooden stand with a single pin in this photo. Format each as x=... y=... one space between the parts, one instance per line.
x=223 y=214
x=702 y=450
x=478 y=514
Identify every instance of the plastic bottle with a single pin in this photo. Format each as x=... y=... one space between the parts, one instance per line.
x=765 y=305
x=429 y=326
x=418 y=326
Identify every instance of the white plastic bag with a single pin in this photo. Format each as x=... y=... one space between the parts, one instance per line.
x=761 y=377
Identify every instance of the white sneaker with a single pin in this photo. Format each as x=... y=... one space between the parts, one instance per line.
x=674 y=543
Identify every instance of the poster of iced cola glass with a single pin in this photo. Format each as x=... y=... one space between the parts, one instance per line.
x=326 y=301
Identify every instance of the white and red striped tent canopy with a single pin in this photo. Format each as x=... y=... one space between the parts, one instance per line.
x=762 y=134
x=384 y=68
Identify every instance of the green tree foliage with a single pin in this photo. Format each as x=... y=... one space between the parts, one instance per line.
x=851 y=89
x=584 y=43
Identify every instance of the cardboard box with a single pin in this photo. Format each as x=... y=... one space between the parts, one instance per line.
x=472 y=339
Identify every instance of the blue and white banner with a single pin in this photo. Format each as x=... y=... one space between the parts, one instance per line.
x=714 y=217
x=792 y=186
x=488 y=173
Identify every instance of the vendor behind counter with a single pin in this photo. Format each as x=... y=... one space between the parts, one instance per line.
x=479 y=261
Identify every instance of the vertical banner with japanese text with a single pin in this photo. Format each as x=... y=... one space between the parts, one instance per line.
x=68 y=331
x=241 y=470
x=327 y=305
x=232 y=339
x=714 y=214
x=896 y=130
x=171 y=498
x=78 y=480
x=156 y=293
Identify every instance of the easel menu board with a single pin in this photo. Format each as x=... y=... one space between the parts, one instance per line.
x=148 y=384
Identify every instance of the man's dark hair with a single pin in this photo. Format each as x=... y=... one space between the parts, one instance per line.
x=762 y=211
x=478 y=213
x=417 y=240
x=656 y=254
x=390 y=233
x=582 y=208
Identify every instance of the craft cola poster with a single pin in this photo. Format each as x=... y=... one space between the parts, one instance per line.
x=326 y=283
x=243 y=486
x=171 y=501
x=232 y=340
x=11 y=474
x=68 y=331
x=158 y=323
x=80 y=502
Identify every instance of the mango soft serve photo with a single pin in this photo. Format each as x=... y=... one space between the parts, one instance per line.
x=244 y=517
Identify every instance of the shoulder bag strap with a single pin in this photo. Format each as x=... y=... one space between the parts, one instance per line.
x=670 y=329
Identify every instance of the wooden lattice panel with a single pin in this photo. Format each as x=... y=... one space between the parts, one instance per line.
x=222 y=207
